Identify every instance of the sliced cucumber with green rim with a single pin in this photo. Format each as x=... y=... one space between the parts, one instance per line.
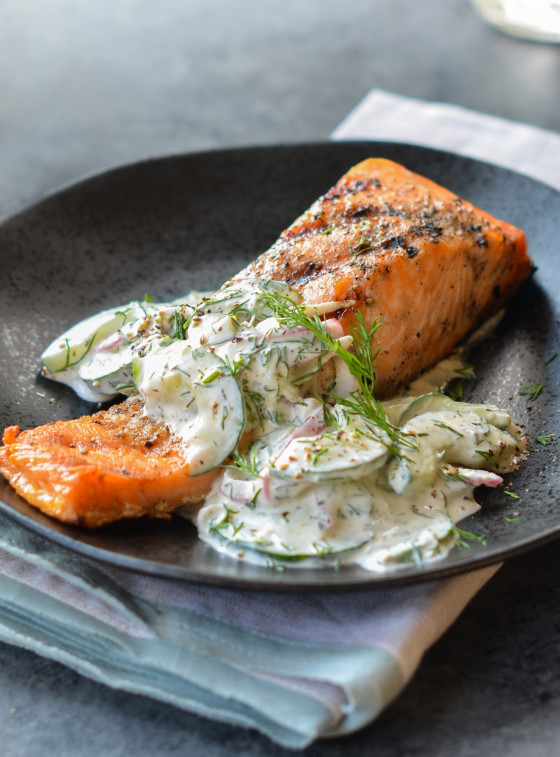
x=349 y=451
x=462 y=436
x=435 y=401
x=192 y=392
x=73 y=345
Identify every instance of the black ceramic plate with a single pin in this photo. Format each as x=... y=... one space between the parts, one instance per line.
x=165 y=226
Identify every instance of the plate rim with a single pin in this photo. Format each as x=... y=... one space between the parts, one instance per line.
x=433 y=570
x=106 y=171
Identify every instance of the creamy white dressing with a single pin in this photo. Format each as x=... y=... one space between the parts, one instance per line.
x=368 y=506
x=307 y=480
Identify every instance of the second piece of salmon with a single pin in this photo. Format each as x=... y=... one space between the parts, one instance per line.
x=100 y=468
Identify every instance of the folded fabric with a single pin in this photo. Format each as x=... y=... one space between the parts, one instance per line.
x=295 y=666
x=519 y=147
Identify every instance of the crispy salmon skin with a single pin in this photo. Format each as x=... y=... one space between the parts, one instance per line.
x=100 y=468
x=429 y=264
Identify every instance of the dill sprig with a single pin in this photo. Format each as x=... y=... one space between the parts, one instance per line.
x=455 y=390
x=360 y=361
x=363 y=246
x=462 y=537
x=514 y=519
x=532 y=390
x=487 y=454
x=467 y=371
x=178 y=324
x=245 y=463
x=69 y=350
x=449 y=428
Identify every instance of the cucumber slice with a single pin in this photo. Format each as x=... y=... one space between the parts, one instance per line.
x=436 y=401
x=76 y=343
x=460 y=437
x=109 y=373
x=94 y=357
x=192 y=392
x=316 y=521
x=427 y=403
x=349 y=451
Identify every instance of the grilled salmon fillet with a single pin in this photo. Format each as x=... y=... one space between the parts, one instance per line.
x=397 y=245
x=100 y=468
x=429 y=264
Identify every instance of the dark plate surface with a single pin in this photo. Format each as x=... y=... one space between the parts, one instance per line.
x=165 y=226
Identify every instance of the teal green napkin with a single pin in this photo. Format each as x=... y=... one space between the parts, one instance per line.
x=294 y=666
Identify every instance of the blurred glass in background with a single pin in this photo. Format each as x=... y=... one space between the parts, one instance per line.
x=531 y=19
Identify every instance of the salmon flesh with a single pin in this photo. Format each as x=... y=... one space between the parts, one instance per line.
x=94 y=470
x=428 y=264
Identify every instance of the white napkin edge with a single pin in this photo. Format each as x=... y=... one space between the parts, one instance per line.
x=520 y=147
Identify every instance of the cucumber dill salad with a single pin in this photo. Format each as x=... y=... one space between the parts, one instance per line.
x=314 y=469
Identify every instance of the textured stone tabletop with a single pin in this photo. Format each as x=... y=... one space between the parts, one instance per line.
x=88 y=85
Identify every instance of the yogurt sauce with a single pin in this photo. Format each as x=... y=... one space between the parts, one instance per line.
x=315 y=471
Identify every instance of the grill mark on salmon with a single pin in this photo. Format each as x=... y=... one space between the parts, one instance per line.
x=428 y=263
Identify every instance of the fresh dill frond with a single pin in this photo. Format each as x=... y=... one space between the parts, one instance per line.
x=455 y=390
x=245 y=463
x=486 y=454
x=178 y=325
x=329 y=417
x=364 y=245
x=467 y=371
x=465 y=538
x=532 y=390
x=69 y=351
x=225 y=521
x=360 y=361
x=448 y=427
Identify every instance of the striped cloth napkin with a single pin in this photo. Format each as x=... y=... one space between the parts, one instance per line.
x=297 y=667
